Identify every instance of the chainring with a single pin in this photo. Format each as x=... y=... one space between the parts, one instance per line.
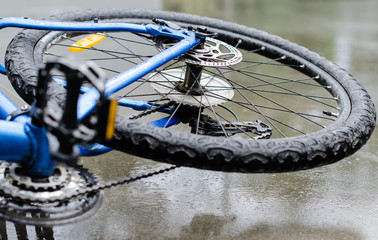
x=44 y=202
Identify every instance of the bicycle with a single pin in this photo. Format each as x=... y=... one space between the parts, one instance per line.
x=186 y=102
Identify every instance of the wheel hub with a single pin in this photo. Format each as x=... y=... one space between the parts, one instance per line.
x=216 y=90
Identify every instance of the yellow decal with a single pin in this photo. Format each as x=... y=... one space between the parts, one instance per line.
x=111 y=119
x=87 y=42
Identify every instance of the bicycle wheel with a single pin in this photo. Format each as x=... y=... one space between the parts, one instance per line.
x=261 y=104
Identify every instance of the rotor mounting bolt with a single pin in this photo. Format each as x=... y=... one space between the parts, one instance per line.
x=25 y=107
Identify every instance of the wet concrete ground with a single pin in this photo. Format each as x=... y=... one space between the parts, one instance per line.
x=339 y=201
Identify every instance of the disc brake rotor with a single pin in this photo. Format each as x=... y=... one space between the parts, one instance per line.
x=213 y=53
x=39 y=202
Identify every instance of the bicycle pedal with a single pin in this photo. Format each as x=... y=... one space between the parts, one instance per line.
x=63 y=123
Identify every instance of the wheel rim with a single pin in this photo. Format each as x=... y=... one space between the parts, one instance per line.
x=266 y=85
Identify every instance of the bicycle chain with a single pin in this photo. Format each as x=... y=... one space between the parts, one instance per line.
x=120 y=181
x=152 y=110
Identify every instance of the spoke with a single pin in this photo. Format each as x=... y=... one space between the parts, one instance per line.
x=278 y=86
x=105 y=59
x=277 y=121
x=109 y=52
x=199 y=116
x=272 y=63
x=291 y=94
x=110 y=70
x=124 y=47
x=246 y=105
x=147 y=80
x=214 y=112
x=254 y=106
x=281 y=105
x=210 y=106
x=250 y=51
x=255 y=64
x=162 y=98
x=238 y=43
x=214 y=95
x=115 y=53
x=286 y=80
x=178 y=106
x=141 y=95
x=147 y=43
x=221 y=88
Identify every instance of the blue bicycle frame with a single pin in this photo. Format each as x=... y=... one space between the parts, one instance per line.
x=23 y=142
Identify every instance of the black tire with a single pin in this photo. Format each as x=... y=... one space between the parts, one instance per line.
x=341 y=138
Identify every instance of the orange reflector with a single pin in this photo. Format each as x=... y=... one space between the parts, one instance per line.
x=111 y=119
x=87 y=42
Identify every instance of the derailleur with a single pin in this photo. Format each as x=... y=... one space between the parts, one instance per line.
x=212 y=127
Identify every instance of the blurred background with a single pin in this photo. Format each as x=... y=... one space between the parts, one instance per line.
x=339 y=201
